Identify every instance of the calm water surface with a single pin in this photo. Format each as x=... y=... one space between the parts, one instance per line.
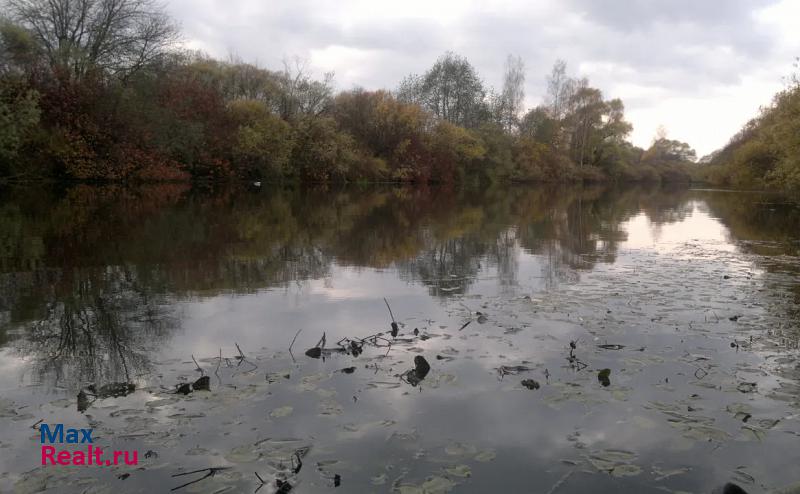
x=683 y=307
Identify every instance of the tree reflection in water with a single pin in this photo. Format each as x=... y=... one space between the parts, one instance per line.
x=88 y=275
x=97 y=337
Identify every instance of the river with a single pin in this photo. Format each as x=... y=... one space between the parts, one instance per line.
x=545 y=339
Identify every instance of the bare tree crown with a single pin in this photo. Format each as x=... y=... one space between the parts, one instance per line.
x=77 y=36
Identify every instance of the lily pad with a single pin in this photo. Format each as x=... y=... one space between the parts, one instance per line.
x=281 y=412
x=485 y=456
x=459 y=471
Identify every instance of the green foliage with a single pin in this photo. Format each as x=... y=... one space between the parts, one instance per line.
x=454 y=149
x=498 y=161
x=530 y=157
x=19 y=115
x=321 y=152
x=164 y=115
x=668 y=161
x=18 y=49
x=539 y=162
x=451 y=90
x=765 y=152
x=263 y=142
x=537 y=124
x=395 y=132
x=594 y=127
x=664 y=150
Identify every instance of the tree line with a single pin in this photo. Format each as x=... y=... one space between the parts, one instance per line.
x=99 y=90
x=765 y=153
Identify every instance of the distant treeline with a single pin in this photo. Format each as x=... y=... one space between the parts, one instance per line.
x=765 y=154
x=98 y=90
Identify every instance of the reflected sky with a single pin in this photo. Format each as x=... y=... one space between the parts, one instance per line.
x=699 y=288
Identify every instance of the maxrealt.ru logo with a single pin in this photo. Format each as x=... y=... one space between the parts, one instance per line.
x=57 y=434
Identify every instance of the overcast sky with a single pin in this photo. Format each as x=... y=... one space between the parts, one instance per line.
x=701 y=68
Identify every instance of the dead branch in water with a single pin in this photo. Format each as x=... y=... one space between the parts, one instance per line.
x=292 y=344
x=202 y=373
x=211 y=471
x=390 y=309
x=219 y=362
x=395 y=327
x=242 y=359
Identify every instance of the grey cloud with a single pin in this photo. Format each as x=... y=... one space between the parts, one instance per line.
x=641 y=14
x=409 y=36
x=681 y=48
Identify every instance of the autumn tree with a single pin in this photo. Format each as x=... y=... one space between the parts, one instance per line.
x=117 y=37
x=300 y=95
x=509 y=105
x=559 y=102
x=559 y=89
x=236 y=80
x=595 y=127
x=19 y=115
x=18 y=49
x=454 y=149
x=263 y=141
x=19 y=104
x=585 y=116
x=321 y=151
x=538 y=124
x=668 y=150
x=451 y=90
x=395 y=131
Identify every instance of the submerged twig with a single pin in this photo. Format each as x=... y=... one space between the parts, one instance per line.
x=395 y=327
x=611 y=346
x=242 y=358
x=211 y=471
x=506 y=370
x=560 y=482
x=390 y=309
x=292 y=343
x=219 y=362
x=373 y=340
x=699 y=370
x=202 y=373
x=263 y=483
x=316 y=350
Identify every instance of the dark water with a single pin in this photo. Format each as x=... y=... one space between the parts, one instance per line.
x=683 y=307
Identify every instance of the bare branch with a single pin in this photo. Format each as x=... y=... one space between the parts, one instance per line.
x=116 y=36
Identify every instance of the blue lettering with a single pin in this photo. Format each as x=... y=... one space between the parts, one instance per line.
x=51 y=438
x=72 y=436
x=87 y=435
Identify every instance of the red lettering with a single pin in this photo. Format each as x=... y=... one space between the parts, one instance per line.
x=135 y=460
x=48 y=452
x=63 y=458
